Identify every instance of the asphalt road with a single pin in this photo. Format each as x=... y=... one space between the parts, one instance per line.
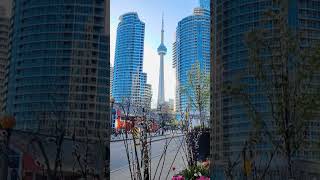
x=119 y=164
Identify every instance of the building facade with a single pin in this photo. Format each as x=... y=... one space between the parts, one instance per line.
x=4 y=49
x=111 y=80
x=129 y=80
x=6 y=4
x=192 y=44
x=59 y=67
x=230 y=124
x=205 y=4
x=171 y=105
x=148 y=96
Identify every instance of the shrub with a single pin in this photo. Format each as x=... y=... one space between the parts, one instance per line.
x=194 y=172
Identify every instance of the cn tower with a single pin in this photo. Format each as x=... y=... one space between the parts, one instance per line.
x=162 y=50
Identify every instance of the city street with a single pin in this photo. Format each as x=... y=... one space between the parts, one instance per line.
x=119 y=164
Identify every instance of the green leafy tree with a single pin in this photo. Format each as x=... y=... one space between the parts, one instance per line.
x=198 y=91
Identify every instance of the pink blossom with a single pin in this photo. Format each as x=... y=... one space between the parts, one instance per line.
x=206 y=164
x=203 y=178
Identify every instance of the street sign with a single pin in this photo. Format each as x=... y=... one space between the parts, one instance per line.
x=135 y=133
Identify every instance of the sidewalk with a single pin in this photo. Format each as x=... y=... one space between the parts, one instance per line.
x=179 y=164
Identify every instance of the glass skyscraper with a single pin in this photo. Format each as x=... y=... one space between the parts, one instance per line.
x=111 y=80
x=192 y=44
x=231 y=21
x=59 y=67
x=129 y=81
x=147 y=96
x=4 y=49
x=6 y=7
x=205 y=4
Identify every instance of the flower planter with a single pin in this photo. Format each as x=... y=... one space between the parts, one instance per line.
x=197 y=172
x=178 y=178
x=182 y=178
x=203 y=178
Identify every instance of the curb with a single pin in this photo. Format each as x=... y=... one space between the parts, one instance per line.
x=151 y=138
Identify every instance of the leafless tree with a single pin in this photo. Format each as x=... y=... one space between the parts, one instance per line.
x=287 y=76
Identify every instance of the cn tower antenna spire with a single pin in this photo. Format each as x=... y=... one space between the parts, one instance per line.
x=162 y=30
x=162 y=21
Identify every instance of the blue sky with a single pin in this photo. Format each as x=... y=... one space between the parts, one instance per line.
x=150 y=12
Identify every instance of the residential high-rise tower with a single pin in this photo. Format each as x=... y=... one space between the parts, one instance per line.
x=111 y=80
x=205 y=4
x=128 y=77
x=148 y=96
x=192 y=44
x=231 y=124
x=4 y=49
x=58 y=70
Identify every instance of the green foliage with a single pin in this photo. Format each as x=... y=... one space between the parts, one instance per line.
x=198 y=90
x=173 y=123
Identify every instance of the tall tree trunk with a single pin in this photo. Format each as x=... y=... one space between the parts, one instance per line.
x=137 y=159
x=145 y=154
